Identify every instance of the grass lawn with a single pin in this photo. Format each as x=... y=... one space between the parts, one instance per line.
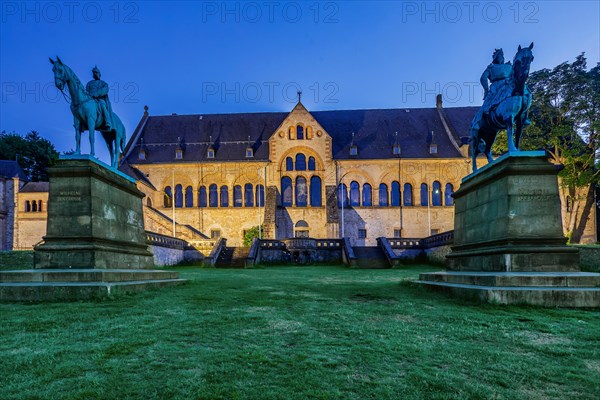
x=296 y=333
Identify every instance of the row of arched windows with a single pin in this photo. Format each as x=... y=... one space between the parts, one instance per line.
x=392 y=196
x=300 y=163
x=214 y=196
x=301 y=194
x=33 y=206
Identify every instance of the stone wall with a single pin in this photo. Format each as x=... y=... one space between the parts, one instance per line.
x=8 y=217
x=32 y=229
x=16 y=260
x=166 y=256
x=300 y=252
x=437 y=255
x=589 y=258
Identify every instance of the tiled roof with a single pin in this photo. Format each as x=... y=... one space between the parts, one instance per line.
x=374 y=134
x=35 y=187
x=11 y=169
x=228 y=134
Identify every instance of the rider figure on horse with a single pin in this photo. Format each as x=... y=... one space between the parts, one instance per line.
x=98 y=89
x=499 y=74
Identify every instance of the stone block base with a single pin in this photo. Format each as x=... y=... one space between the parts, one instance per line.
x=514 y=258
x=80 y=284
x=81 y=253
x=547 y=289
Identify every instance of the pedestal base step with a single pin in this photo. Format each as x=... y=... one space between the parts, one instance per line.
x=547 y=289
x=67 y=285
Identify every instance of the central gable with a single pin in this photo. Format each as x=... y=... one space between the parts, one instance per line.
x=300 y=131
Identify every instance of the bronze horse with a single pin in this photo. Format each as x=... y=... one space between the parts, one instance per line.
x=509 y=113
x=87 y=114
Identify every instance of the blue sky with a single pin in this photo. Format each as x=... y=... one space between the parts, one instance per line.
x=215 y=57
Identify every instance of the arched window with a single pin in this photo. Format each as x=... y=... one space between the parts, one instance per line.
x=178 y=196
x=248 y=195
x=436 y=195
x=189 y=196
x=395 y=194
x=286 y=191
x=289 y=164
x=213 y=196
x=383 y=195
x=224 y=196
x=260 y=195
x=311 y=164
x=300 y=162
x=424 y=194
x=202 y=196
x=408 y=195
x=343 y=195
x=27 y=206
x=237 y=196
x=309 y=132
x=148 y=202
x=34 y=206
x=448 y=199
x=354 y=194
x=315 y=192
x=39 y=206
x=299 y=132
x=301 y=192
x=367 y=195
x=168 y=198
x=301 y=230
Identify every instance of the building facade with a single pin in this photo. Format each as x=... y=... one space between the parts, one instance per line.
x=12 y=179
x=355 y=173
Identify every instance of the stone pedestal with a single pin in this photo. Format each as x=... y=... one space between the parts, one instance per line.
x=95 y=245
x=95 y=219
x=509 y=246
x=508 y=218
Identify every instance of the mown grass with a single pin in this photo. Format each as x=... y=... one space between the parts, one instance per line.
x=296 y=333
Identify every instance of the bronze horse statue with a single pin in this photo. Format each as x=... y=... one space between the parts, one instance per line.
x=509 y=113
x=87 y=114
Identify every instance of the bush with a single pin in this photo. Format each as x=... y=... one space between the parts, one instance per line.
x=252 y=233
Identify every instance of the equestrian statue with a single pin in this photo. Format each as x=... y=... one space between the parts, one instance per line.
x=505 y=104
x=91 y=110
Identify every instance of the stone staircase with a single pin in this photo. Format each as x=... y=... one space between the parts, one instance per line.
x=80 y=284
x=233 y=257
x=550 y=289
x=370 y=257
x=156 y=221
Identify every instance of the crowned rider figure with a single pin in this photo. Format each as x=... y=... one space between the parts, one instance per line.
x=499 y=74
x=98 y=89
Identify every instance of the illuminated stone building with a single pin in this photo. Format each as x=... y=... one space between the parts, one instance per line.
x=357 y=173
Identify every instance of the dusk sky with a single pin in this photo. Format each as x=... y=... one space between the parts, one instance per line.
x=215 y=57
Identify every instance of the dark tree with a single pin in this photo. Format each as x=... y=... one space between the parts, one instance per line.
x=33 y=153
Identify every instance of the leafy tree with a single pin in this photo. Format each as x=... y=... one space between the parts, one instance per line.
x=252 y=233
x=565 y=115
x=33 y=153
